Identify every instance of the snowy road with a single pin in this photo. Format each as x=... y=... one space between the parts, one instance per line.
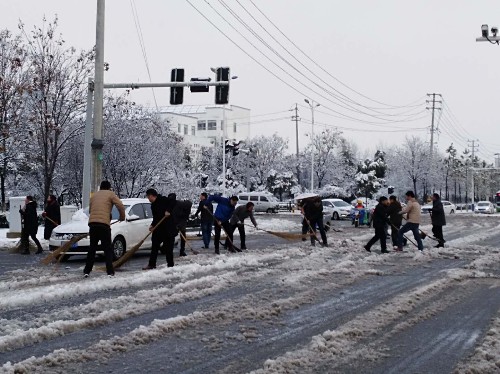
x=282 y=308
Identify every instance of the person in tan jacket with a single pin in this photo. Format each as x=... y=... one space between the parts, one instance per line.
x=101 y=204
x=412 y=210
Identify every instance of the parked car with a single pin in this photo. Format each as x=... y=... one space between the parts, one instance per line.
x=124 y=235
x=287 y=205
x=449 y=208
x=485 y=207
x=263 y=202
x=336 y=208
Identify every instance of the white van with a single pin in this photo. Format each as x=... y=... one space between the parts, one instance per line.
x=263 y=202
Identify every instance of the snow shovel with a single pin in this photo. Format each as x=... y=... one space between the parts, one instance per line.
x=189 y=245
x=424 y=235
x=128 y=255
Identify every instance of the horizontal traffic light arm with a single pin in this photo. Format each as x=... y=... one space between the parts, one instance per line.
x=134 y=86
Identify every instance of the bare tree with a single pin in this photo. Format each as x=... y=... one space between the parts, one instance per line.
x=58 y=81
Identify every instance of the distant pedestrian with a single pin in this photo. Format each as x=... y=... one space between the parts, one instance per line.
x=379 y=224
x=165 y=232
x=438 y=219
x=181 y=214
x=101 y=205
x=395 y=219
x=412 y=224
x=52 y=215
x=238 y=221
x=207 y=219
x=222 y=215
x=313 y=217
x=30 y=228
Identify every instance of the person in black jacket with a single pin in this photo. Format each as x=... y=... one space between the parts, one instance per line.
x=379 y=222
x=313 y=217
x=30 y=228
x=181 y=214
x=438 y=219
x=166 y=232
x=395 y=219
x=207 y=219
x=238 y=221
x=52 y=215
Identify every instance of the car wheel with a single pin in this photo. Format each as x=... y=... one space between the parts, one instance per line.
x=335 y=216
x=269 y=210
x=118 y=247
x=452 y=211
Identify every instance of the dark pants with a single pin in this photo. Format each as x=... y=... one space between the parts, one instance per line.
x=380 y=234
x=47 y=230
x=394 y=234
x=227 y=228
x=241 y=230
x=206 y=232
x=157 y=241
x=306 y=227
x=99 y=233
x=413 y=227
x=437 y=230
x=26 y=241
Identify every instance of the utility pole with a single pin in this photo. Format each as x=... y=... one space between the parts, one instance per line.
x=97 y=142
x=433 y=129
x=312 y=105
x=296 y=118
x=473 y=147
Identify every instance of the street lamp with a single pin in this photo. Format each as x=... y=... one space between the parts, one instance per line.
x=312 y=105
x=223 y=128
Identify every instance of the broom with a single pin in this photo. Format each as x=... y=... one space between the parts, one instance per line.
x=222 y=227
x=282 y=235
x=189 y=245
x=51 y=220
x=128 y=255
x=59 y=252
x=312 y=231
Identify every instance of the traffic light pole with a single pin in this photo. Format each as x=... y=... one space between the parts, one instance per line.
x=223 y=150
x=135 y=86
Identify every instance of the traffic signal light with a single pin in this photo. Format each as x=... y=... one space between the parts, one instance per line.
x=236 y=149
x=227 y=146
x=199 y=88
x=222 y=92
x=176 y=93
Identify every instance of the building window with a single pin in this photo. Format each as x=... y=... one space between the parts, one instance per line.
x=185 y=129
x=193 y=130
x=179 y=128
x=234 y=127
x=202 y=125
x=212 y=125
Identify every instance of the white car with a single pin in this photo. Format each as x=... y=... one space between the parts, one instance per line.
x=449 y=208
x=336 y=208
x=124 y=235
x=263 y=201
x=484 y=207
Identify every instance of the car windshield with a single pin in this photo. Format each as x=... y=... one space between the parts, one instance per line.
x=114 y=212
x=341 y=204
x=483 y=204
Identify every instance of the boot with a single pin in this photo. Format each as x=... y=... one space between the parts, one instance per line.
x=183 y=253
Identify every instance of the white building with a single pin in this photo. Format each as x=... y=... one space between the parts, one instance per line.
x=203 y=126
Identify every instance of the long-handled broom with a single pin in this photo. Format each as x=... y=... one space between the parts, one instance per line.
x=187 y=243
x=313 y=233
x=282 y=235
x=59 y=252
x=128 y=255
x=217 y=222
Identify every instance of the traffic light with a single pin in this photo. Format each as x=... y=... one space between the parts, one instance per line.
x=176 y=93
x=227 y=146
x=222 y=92
x=236 y=149
x=199 y=88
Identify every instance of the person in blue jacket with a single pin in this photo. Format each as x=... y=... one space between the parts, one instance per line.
x=222 y=215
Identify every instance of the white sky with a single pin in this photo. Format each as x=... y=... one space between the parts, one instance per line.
x=393 y=51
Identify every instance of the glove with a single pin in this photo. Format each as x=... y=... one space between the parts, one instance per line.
x=44 y=214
